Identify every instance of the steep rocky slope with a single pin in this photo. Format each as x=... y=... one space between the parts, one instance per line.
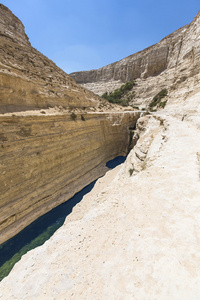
x=173 y=62
x=149 y=62
x=136 y=235
x=29 y=80
x=48 y=155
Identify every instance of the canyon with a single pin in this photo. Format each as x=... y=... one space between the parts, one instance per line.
x=29 y=80
x=46 y=160
x=136 y=234
x=55 y=136
x=173 y=63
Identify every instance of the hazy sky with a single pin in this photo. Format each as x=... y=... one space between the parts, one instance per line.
x=88 y=34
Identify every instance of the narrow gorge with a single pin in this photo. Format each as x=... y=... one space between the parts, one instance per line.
x=135 y=235
x=48 y=155
x=45 y=160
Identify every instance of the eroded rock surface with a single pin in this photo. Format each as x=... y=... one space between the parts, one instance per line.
x=134 y=236
x=29 y=80
x=47 y=155
x=167 y=64
x=45 y=160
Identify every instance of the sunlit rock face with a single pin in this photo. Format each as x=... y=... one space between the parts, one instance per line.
x=45 y=160
x=166 y=64
x=29 y=80
x=136 y=235
x=47 y=155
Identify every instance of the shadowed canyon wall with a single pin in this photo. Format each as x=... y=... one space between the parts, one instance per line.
x=45 y=160
x=47 y=156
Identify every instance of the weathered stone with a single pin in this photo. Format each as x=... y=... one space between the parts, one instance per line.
x=149 y=62
x=165 y=64
x=45 y=160
x=49 y=155
x=29 y=80
x=133 y=236
x=136 y=235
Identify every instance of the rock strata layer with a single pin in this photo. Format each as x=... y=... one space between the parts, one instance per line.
x=136 y=236
x=167 y=64
x=47 y=156
x=149 y=62
x=29 y=80
x=45 y=160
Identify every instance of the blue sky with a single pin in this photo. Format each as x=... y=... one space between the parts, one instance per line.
x=88 y=34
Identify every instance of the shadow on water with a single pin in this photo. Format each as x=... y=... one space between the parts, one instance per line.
x=43 y=228
x=115 y=162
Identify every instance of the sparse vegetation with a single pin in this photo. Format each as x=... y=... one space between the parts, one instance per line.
x=147 y=112
x=82 y=118
x=143 y=165
x=162 y=104
x=73 y=116
x=122 y=95
x=156 y=102
x=131 y=171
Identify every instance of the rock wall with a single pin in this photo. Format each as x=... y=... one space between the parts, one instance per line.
x=165 y=64
x=47 y=156
x=149 y=62
x=29 y=80
x=45 y=160
x=133 y=236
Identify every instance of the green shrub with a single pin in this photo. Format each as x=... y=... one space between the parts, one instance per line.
x=157 y=99
x=131 y=171
x=73 y=116
x=121 y=95
x=162 y=104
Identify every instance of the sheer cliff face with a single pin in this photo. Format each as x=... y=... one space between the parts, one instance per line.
x=175 y=58
x=149 y=62
x=136 y=234
x=46 y=156
x=44 y=161
x=30 y=80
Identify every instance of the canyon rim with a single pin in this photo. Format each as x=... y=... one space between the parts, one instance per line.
x=136 y=235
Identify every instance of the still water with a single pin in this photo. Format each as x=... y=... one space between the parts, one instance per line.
x=42 y=229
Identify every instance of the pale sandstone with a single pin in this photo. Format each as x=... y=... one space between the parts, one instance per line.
x=134 y=237
x=172 y=63
x=45 y=160
x=29 y=80
x=46 y=156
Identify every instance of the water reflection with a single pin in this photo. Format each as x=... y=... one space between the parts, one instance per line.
x=41 y=229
